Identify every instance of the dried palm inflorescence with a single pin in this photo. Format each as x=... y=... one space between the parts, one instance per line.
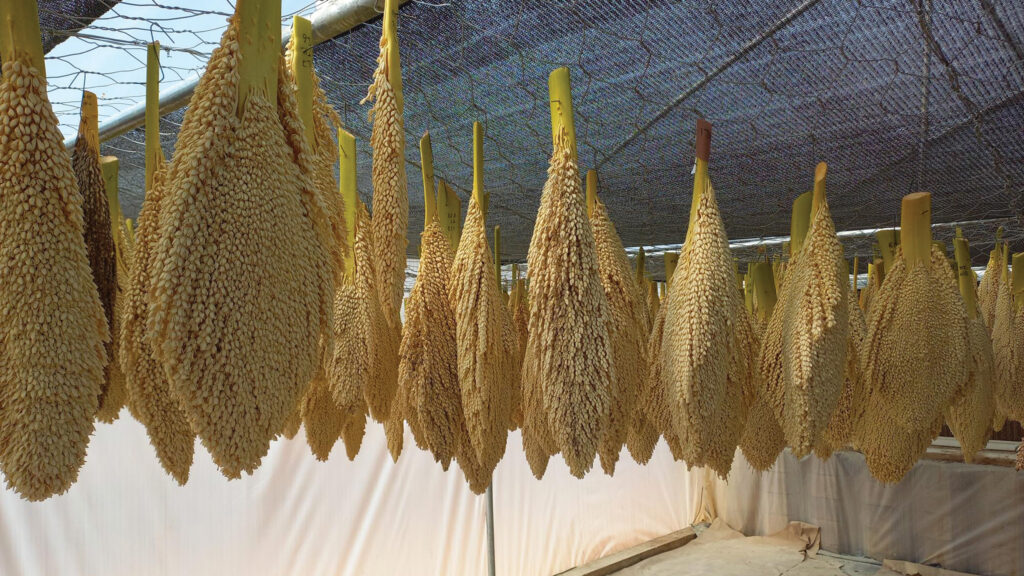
x=241 y=277
x=629 y=340
x=643 y=429
x=475 y=298
x=360 y=331
x=321 y=417
x=390 y=194
x=805 y=386
x=52 y=323
x=117 y=393
x=841 y=425
x=970 y=416
x=150 y=398
x=428 y=377
x=656 y=401
x=319 y=413
x=390 y=221
x=988 y=289
x=709 y=348
x=1011 y=399
x=569 y=355
x=99 y=237
x=1005 y=348
x=763 y=439
x=520 y=308
x=918 y=319
x=511 y=356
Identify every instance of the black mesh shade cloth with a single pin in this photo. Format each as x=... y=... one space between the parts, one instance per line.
x=896 y=95
x=59 y=19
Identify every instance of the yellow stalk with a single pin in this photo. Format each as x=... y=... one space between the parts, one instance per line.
x=965 y=275
x=515 y=272
x=19 y=33
x=478 y=167
x=154 y=153
x=819 y=190
x=259 y=47
x=393 y=66
x=430 y=200
x=129 y=226
x=89 y=122
x=701 y=181
x=800 y=222
x=764 y=289
x=560 y=93
x=109 y=165
x=591 y=191
x=671 y=260
x=300 y=60
x=662 y=290
x=888 y=240
x=856 y=271
x=497 y=255
x=1018 y=280
x=916 y=229
x=349 y=197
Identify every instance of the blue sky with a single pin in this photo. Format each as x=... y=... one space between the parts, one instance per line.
x=109 y=57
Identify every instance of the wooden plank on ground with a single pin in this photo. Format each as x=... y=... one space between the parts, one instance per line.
x=624 y=558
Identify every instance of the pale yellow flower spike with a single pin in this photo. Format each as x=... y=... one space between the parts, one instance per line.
x=574 y=373
x=474 y=296
x=970 y=416
x=53 y=352
x=708 y=348
x=917 y=318
x=99 y=237
x=116 y=395
x=628 y=308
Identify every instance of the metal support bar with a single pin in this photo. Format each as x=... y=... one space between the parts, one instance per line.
x=329 y=20
x=778 y=240
x=490 y=530
x=746 y=49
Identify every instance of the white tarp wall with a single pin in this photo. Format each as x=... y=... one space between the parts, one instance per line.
x=964 y=517
x=297 y=516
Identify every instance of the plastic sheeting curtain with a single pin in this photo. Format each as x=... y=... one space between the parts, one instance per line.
x=296 y=516
x=964 y=517
x=373 y=517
